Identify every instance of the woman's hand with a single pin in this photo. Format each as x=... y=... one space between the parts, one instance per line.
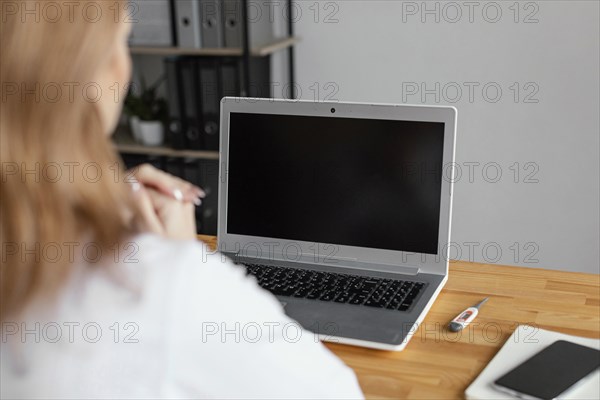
x=168 y=184
x=165 y=203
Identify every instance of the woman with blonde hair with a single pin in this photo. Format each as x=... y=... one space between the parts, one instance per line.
x=105 y=291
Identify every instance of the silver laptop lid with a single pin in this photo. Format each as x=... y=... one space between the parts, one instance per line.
x=366 y=186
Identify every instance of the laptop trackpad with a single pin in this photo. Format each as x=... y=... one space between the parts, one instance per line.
x=341 y=320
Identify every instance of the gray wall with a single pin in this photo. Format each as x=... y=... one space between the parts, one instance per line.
x=543 y=211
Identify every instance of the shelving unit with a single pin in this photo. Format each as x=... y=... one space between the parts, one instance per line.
x=125 y=144
x=261 y=51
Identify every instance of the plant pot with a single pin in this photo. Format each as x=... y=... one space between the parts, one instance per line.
x=151 y=133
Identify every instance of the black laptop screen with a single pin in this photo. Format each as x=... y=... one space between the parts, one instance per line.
x=345 y=181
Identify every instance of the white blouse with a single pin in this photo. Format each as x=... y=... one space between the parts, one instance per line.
x=170 y=320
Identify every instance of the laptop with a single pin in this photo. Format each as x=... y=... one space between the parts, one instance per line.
x=341 y=210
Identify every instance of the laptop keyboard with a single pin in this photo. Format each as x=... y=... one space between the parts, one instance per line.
x=339 y=288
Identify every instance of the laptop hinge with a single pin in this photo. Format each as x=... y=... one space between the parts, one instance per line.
x=337 y=262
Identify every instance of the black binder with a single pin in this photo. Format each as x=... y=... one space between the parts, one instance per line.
x=211 y=21
x=232 y=22
x=190 y=84
x=175 y=127
x=196 y=86
x=229 y=78
x=260 y=71
x=208 y=73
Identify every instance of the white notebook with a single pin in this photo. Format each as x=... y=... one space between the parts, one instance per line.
x=522 y=344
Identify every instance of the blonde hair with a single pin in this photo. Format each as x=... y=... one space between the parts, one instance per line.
x=61 y=177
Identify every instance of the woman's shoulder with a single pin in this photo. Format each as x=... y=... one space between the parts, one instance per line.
x=174 y=256
x=148 y=246
x=195 y=272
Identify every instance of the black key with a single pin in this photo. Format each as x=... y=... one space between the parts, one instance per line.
x=343 y=298
x=393 y=304
x=358 y=291
x=321 y=288
x=398 y=298
x=301 y=293
x=377 y=294
x=368 y=286
x=313 y=295
x=390 y=292
x=386 y=299
x=328 y=296
x=278 y=291
x=374 y=303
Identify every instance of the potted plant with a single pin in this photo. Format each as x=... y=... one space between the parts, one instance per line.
x=147 y=113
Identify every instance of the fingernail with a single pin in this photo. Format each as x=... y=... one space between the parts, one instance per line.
x=197 y=202
x=135 y=186
x=201 y=193
x=178 y=194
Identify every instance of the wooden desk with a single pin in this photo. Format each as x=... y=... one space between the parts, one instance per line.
x=440 y=364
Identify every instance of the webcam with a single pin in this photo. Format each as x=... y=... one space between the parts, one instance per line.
x=332 y=110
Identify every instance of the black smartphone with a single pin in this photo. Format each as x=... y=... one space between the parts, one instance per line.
x=551 y=372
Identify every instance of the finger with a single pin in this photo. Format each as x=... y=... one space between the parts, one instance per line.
x=192 y=193
x=177 y=217
x=168 y=184
x=147 y=217
x=190 y=189
x=189 y=192
x=150 y=176
x=159 y=200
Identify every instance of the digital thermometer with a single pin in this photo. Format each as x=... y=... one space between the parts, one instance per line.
x=466 y=317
